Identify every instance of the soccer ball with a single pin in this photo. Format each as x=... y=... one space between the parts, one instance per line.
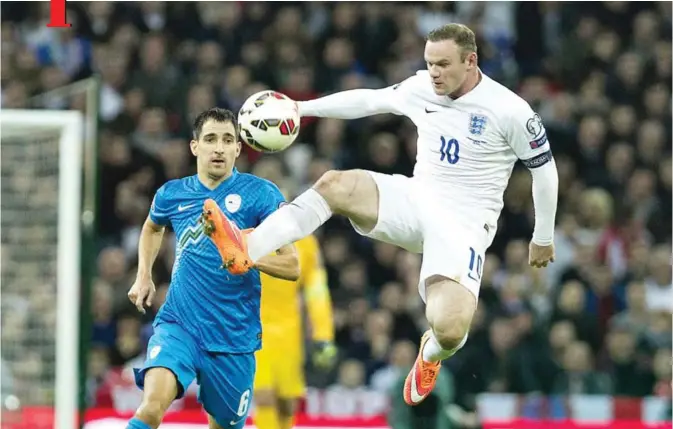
x=269 y=121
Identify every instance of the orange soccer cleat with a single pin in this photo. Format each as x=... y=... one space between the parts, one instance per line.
x=422 y=377
x=227 y=237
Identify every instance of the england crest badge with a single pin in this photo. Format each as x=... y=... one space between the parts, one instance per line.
x=477 y=124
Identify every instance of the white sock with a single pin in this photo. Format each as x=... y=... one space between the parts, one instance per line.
x=433 y=352
x=288 y=224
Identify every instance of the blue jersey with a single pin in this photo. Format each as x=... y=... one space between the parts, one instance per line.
x=220 y=310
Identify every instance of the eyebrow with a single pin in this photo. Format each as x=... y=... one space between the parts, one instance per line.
x=215 y=135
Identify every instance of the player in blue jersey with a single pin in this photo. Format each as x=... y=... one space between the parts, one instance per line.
x=209 y=327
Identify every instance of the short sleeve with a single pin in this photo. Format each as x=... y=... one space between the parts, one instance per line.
x=159 y=212
x=527 y=136
x=270 y=201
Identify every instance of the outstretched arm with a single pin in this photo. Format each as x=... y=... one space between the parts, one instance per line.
x=283 y=265
x=356 y=103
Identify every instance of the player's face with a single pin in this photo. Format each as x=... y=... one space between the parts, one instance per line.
x=447 y=70
x=217 y=148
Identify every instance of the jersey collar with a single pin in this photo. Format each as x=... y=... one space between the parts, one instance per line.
x=225 y=184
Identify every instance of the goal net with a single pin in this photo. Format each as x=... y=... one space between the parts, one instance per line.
x=41 y=181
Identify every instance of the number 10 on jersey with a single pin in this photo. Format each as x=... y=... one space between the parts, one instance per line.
x=476 y=265
x=449 y=151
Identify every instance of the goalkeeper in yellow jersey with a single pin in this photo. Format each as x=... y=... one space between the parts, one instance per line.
x=279 y=380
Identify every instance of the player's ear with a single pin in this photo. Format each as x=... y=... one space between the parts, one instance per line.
x=193 y=145
x=472 y=60
x=238 y=147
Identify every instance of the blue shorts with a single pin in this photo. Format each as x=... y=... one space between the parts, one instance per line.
x=225 y=380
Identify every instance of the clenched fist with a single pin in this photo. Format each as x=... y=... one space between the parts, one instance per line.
x=540 y=256
x=142 y=293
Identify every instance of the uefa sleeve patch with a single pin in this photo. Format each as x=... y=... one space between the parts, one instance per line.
x=538 y=142
x=537 y=132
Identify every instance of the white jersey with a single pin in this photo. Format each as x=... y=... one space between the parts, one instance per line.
x=467 y=147
x=466 y=151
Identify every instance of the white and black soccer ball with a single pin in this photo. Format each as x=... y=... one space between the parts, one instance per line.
x=269 y=121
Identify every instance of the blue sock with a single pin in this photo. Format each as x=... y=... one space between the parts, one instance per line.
x=135 y=423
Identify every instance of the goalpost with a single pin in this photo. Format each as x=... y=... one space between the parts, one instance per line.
x=36 y=203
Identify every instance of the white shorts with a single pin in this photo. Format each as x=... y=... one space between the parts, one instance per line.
x=412 y=218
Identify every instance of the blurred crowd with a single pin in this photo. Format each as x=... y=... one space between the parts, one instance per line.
x=599 y=74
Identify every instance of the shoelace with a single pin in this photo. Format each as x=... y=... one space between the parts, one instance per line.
x=429 y=375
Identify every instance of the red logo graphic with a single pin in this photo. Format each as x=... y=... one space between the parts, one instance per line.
x=57 y=14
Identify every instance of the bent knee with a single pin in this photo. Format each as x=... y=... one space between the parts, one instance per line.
x=450 y=329
x=339 y=187
x=450 y=308
x=265 y=398
x=450 y=336
x=151 y=411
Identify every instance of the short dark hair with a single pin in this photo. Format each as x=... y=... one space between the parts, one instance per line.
x=218 y=115
x=459 y=33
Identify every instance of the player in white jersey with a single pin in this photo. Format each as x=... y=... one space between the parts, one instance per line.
x=471 y=131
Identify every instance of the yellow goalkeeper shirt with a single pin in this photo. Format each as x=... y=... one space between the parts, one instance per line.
x=281 y=300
